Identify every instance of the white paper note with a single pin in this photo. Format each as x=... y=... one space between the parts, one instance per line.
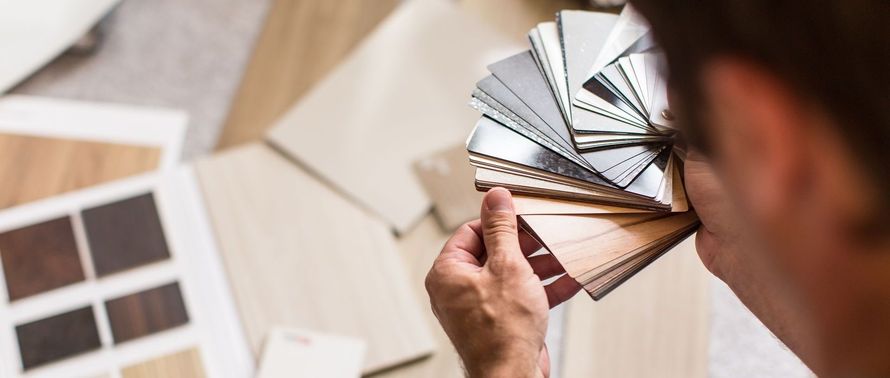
x=291 y=352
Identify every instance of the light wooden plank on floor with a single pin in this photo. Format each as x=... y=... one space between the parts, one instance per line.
x=419 y=248
x=301 y=42
x=300 y=255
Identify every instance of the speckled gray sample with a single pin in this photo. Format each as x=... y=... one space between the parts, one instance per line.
x=183 y=54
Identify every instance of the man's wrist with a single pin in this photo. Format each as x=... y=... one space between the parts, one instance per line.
x=513 y=363
x=521 y=370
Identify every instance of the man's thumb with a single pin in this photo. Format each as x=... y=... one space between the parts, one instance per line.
x=499 y=229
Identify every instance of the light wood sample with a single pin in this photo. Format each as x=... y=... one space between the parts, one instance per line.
x=302 y=40
x=184 y=364
x=42 y=167
x=655 y=325
x=399 y=96
x=595 y=249
x=447 y=177
x=299 y=255
x=527 y=205
x=419 y=248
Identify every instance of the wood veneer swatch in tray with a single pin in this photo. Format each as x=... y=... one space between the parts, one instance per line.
x=57 y=337
x=399 y=96
x=184 y=364
x=43 y=167
x=300 y=255
x=125 y=234
x=40 y=257
x=654 y=325
x=146 y=312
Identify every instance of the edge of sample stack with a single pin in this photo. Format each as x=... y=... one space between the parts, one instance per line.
x=579 y=129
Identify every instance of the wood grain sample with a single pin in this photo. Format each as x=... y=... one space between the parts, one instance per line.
x=42 y=167
x=146 y=312
x=655 y=325
x=184 y=364
x=391 y=109
x=527 y=205
x=419 y=248
x=57 y=337
x=301 y=42
x=299 y=255
x=447 y=177
x=40 y=257
x=125 y=234
x=602 y=250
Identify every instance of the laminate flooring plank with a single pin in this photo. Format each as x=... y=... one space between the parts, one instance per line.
x=301 y=42
x=40 y=257
x=299 y=255
x=184 y=364
x=146 y=312
x=654 y=325
x=42 y=167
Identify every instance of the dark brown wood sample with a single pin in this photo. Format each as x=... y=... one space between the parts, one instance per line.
x=125 y=234
x=57 y=337
x=39 y=258
x=146 y=312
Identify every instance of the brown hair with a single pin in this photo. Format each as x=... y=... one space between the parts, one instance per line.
x=834 y=53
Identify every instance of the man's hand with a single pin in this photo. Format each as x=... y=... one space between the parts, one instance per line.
x=488 y=295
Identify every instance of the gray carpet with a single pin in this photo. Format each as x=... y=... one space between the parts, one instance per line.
x=184 y=54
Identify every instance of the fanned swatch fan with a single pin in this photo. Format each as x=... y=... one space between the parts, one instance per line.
x=579 y=129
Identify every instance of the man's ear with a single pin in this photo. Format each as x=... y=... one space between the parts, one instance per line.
x=758 y=127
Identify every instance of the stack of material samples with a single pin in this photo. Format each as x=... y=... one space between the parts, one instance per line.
x=580 y=130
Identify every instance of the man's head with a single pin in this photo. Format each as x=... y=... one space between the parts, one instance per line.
x=792 y=101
